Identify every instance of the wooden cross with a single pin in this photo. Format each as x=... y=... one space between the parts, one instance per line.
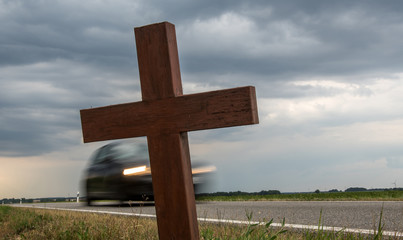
x=165 y=116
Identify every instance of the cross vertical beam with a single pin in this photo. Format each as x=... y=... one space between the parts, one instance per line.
x=158 y=61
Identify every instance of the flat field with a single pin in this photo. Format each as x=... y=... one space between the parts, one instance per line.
x=389 y=195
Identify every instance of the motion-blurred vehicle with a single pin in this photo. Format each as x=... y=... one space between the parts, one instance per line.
x=121 y=171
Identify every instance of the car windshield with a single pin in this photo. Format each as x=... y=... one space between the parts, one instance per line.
x=129 y=151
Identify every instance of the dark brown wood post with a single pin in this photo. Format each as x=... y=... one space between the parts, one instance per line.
x=158 y=60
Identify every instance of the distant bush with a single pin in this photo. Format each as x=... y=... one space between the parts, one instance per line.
x=356 y=189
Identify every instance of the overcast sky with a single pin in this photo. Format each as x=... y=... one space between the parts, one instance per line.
x=328 y=76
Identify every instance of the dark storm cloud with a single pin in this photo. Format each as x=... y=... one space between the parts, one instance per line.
x=57 y=57
x=31 y=132
x=346 y=37
x=40 y=104
x=34 y=31
x=351 y=36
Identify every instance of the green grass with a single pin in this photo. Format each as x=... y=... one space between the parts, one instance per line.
x=26 y=223
x=22 y=223
x=391 y=195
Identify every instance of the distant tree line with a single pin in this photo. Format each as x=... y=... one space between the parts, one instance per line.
x=236 y=193
x=239 y=193
x=272 y=192
x=35 y=200
x=361 y=189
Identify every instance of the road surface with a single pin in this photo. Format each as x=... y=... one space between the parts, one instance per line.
x=345 y=214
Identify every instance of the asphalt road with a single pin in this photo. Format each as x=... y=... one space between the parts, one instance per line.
x=346 y=214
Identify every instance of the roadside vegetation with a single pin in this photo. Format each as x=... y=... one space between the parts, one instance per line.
x=25 y=223
x=376 y=195
x=350 y=194
x=28 y=223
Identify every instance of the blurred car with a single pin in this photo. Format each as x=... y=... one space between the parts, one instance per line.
x=121 y=171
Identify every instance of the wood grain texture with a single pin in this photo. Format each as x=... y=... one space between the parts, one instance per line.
x=158 y=60
x=216 y=109
x=172 y=178
x=157 y=55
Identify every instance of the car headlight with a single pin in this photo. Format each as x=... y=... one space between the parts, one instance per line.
x=141 y=170
x=137 y=170
x=203 y=169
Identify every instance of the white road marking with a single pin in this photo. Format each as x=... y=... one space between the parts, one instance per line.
x=240 y=222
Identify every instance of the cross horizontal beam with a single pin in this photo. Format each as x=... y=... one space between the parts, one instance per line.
x=216 y=109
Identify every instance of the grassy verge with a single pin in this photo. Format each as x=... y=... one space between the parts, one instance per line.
x=23 y=223
x=391 y=195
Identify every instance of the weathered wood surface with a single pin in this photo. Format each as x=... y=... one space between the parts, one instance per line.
x=224 y=108
x=164 y=116
x=158 y=60
x=175 y=204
